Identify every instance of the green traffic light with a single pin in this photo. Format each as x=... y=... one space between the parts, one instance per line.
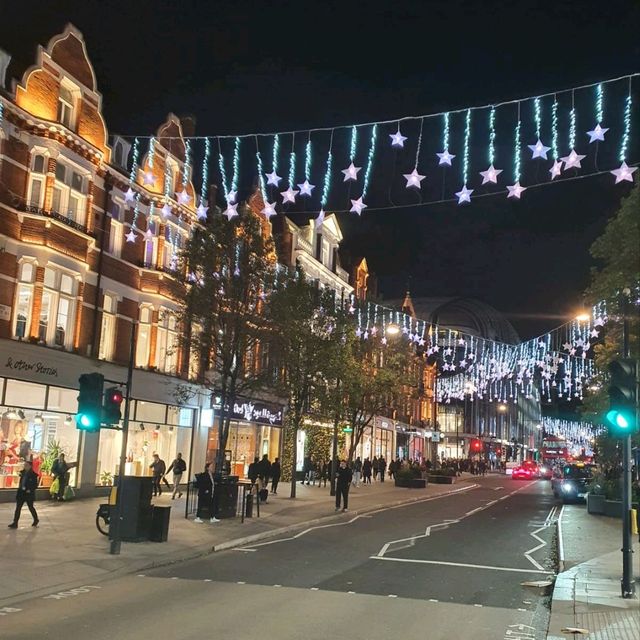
x=622 y=422
x=619 y=420
x=85 y=420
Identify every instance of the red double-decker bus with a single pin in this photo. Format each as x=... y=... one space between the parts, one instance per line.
x=554 y=448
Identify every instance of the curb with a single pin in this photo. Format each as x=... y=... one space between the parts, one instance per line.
x=208 y=549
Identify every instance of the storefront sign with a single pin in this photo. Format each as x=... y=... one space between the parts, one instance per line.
x=37 y=367
x=254 y=411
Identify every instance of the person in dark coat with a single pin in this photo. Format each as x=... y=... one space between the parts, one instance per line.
x=158 y=467
x=264 y=471
x=205 y=483
x=275 y=475
x=375 y=467
x=254 y=471
x=343 y=482
x=26 y=493
x=366 y=471
x=382 y=467
x=179 y=466
x=60 y=471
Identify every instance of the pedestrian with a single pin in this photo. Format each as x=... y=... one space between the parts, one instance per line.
x=382 y=467
x=307 y=467
x=178 y=466
x=264 y=471
x=275 y=476
x=60 y=472
x=324 y=473
x=158 y=468
x=26 y=493
x=374 y=467
x=205 y=483
x=344 y=476
x=357 y=471
x=253 y=471
x=392 y=469
x=366 y=471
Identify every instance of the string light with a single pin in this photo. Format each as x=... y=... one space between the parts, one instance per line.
x=554 y=128
x=492 y=134
x=465 y=157
x=599 y=104
x=307 y=159
x=276 y=152
x=515 y=190
x=263 y=188
x=572 y=124
x=223 y=173
x=187 y=165
x=627 y=127
x=537 y=116
x=152 y=152
x=370 y=158
x=205 y=171
x=236 y=165
x=445 y=132
x=134 y=162
x=292 y=162
x=354 y=143
x=327 y=176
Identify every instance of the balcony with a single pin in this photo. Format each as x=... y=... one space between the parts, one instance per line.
x=29 y=208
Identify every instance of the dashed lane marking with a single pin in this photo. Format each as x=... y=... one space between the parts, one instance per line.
x=460 y=564
x=240 y=582
x=315 y=589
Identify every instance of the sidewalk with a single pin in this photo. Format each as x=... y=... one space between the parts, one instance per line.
x=587 y=592
x=67 y=551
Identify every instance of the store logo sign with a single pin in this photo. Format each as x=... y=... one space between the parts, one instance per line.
x=253 y=411
x=32 y=367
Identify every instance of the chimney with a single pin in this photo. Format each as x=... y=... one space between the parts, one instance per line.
x=5 y=59
x=188 y=124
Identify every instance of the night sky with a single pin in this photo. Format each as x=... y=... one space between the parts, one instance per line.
x=252 y=66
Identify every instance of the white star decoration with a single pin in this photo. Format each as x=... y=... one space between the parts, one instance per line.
x=273 y=178
x=231 y=211
x=357 y=206
x=231 y=196
x=556 y=169
x=413 y=179
x=289 y=195
x=464 y=195
x=129 y=196
x=515 y=190
x=572 y=160
x=183 y=197
x=320 y=218
x=269 y=210
x=166 y=210
x=397 y=139
x=148 y=234
x=490 y=175
x=445 y=157
x=351 y=172
x=597 y=134
x=624 y=173
x=148 y=177
x=202 y=212
x=131 y=236
x=306 y=188
x=538 y=150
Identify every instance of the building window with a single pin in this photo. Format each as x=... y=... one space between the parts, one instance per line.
x=166 y=343
x=172 y=248
x=24 y=302
x=144 y=338
x=325 y=253
x=65 y=107
x=108 y=330
x=56 y=321
x=69 y=193
x=118 y=153
x=150 y=246
x=115 y=238
x=194 y=354
x=35 y=196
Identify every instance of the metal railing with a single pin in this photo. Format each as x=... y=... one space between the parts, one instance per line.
x=29 y=208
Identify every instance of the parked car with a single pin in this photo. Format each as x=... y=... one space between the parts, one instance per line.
x=570 y=482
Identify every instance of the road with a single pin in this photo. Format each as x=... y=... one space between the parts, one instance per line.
x=447 y=567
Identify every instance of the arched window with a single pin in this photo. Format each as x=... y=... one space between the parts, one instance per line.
x=66 y=106
x=118 y=153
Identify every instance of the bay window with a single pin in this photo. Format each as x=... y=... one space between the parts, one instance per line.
x=69 y=193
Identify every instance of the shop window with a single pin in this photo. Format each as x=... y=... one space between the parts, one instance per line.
x=56 y=320
x=144 y=338
x=61 y=399
x=116 y=232
x=151 y=412
x=108 y=330
x=167 y=343
x=65 y=107
x=25 y=394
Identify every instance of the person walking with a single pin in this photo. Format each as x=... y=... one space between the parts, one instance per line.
x=325 y=471
x=275 y=476
x=158 y=468
x=374 y=466
x=26 y=493
x=344 y=476
x=382 y=467
x=366 y=471
x=205 y=484
x=60 y=472
x=178 y=466
x=307 y=469
x=357 y=471
x=264 y=471
x=253 y=472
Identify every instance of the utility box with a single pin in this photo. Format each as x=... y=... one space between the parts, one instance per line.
x=136 y=509
x=160 y=524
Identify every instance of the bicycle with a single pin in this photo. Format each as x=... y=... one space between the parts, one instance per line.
x=103 y=519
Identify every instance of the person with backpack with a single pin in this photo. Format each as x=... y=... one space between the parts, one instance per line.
x=382 y=467
x=178 y=466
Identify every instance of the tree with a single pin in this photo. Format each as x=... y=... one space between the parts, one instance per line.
x=304 y=345
x=228 y=271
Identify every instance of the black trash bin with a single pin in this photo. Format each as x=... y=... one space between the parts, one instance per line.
x=248 y=506
x=160 y=524
x=226 y=495
x=136 y=509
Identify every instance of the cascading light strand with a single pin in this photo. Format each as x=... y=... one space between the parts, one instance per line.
x=370 y=159
x=354 y=143
x=515 y=190
x=624 y=173
x=223 y=173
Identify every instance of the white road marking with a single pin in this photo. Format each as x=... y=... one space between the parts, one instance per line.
x=433 y=600
x=391 y=595
x=460 y=564
x=141 y=575
x=534 y=534
x=560 y=540
x=5 y=611
x=241 y=582
x=277 y=585
x=477 y=605
x=351 y=592
x=61 y=595
x=315 y=589
x=207 y=579
x=352 y=520
x=243 y=549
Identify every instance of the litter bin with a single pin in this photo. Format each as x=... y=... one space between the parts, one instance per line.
x=226 y=494
x=248 y=506
x=160 y=524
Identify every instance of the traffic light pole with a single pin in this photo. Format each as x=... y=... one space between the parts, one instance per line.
x=115 y=529
x=628 y=583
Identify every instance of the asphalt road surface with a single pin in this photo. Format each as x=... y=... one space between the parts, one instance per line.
x=443 y=568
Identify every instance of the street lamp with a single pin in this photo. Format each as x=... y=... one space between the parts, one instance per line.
x=583 y=317
x=393 y=329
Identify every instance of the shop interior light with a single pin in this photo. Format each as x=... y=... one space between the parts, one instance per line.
x=21 y=414
x=157 y=429
x=142 y=426
x=38 y=419
x=68 y=421
x=11 y=414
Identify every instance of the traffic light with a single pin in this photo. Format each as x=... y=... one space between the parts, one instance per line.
x=111 y=413
x=89 y=414
x=623 y=399
x=476 y=446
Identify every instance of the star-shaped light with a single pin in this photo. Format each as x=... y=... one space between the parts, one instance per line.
x=538 y=150
x=566 y=346
x=231 y=196
x=624 y=173
x=464 y=195
x=320 y=218
x=351 y=172
x=383 y=340
x=131 y=236
x=594 y=333
x=273 y=178
x=597 y=134
x=129 y=195
x=490 y=175
x=357 y=206
x=413 y=179
x=515 y=190
x=445 y=157
x=572 y=160
x=202 y=212
x=289 y=195
x=148 y=234
x=269 y=210
x=148 y=177
x=166 y=210
x=231 y=211
x=397 y=139
x=183 y=197
x=556 y=169
x=306 y=188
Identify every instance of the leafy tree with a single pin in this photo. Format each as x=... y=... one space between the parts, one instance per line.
x=228 y=271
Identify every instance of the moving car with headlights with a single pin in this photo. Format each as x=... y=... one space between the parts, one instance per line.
x=571 y=481
x=525 y=472
x=546 y=471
